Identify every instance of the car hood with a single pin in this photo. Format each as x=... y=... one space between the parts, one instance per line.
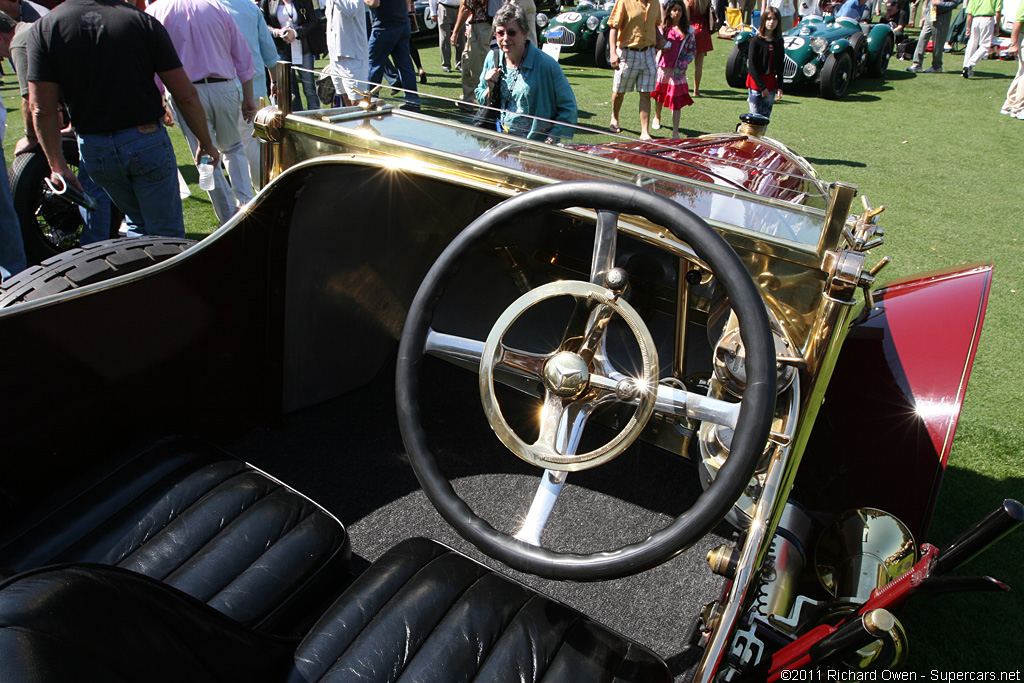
x=759 y=165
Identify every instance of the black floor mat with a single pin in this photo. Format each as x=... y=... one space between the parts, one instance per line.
x=348 y=456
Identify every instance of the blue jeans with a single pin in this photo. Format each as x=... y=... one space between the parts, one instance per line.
x=138 y=170
x=95 y=223
x=394 y=43
x=761 y=105
x=305 y=76
x=12 y=248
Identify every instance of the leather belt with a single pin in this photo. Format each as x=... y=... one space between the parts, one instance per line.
x=638 y=49
x=210 y=79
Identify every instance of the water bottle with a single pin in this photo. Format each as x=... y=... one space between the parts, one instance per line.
x=206 y=172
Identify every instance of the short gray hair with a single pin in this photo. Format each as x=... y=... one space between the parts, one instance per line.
x=510 y=12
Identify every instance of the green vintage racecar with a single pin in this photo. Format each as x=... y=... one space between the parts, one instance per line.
x=831 y=51
x=583 y=28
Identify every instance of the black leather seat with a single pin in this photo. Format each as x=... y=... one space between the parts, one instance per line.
x=420 y=613
x=183 y=512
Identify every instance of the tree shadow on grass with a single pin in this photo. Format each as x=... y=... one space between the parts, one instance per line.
x=836 y=162
x=934 y=622
x=859 y=91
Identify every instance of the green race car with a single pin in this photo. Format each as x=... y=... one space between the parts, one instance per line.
x=831 y=51
x=583 y=28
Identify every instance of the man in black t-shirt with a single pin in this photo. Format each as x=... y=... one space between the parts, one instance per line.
x=102 y=56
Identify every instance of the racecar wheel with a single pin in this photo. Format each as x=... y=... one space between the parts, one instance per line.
x=577 y=374
x=88 y=265
x=859 y=46
x=836 y=75
x=736 y=68
x=602 y=51
x=880 y=64
x=49 y=224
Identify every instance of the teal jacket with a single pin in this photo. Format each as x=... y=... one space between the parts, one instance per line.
x=541 y=90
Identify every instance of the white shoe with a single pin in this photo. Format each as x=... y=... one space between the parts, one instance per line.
x=1019 y=115
x=1006 y=110
x=655 y=124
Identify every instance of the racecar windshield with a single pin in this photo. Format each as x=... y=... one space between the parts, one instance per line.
x=736 y=184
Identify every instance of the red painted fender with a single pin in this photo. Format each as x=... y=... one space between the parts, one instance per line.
x=884 y=433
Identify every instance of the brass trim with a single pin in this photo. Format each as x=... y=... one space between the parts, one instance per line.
x=837 y=216
x=751 y=129
x=646 y=385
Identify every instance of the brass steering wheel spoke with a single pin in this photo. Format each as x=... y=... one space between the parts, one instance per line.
x=569 y=397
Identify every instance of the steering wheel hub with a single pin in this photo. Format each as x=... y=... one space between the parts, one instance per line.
x=566 y=375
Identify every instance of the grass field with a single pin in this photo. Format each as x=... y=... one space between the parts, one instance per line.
x=936 y=152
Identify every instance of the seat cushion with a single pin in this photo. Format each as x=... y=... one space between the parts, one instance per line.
x=423 y=612
x=68 y=623
x=181 y=511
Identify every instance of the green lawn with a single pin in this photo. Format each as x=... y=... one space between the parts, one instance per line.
x=936 y=152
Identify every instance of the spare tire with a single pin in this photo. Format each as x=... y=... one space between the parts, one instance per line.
x=49 y=224
x=736 y=67
x=88 y=265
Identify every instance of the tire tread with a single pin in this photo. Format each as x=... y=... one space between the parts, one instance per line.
x=88 y=265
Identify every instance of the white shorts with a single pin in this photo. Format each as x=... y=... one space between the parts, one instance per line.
x=350 y=74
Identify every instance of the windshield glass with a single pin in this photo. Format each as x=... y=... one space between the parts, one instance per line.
x=730 y=180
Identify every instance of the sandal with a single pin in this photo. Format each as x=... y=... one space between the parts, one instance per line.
x=614 y=128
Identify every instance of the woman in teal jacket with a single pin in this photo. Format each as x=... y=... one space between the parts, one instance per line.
x=536 y=99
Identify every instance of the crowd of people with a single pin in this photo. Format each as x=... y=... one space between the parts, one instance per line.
x=202 y=65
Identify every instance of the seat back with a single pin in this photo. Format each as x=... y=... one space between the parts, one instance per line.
x=423 y=612
x=181 y=511
x=100 y=623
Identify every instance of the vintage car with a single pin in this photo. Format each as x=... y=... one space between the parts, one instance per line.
x=591 y=411
x=824 y=50
x=424 y=24
x=583 y=28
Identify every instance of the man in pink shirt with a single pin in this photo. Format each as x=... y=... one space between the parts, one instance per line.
x=214 y=53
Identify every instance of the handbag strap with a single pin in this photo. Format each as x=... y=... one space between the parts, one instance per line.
x=494 y=99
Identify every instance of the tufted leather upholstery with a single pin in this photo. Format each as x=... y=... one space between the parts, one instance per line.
x=427 y=613
x=180 y=511
x=100 y=623
x=420 y=613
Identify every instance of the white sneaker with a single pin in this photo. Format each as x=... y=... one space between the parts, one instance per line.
x=655 y=124
x=1006 y=110
x=1019 y=115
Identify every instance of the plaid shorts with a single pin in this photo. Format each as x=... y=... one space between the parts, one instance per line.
x=637 y=71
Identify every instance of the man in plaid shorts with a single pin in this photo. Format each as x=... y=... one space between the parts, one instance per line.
x=633 y=35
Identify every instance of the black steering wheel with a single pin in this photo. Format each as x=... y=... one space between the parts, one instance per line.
x=576 y=378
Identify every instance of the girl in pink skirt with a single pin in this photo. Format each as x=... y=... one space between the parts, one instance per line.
x=672 y=90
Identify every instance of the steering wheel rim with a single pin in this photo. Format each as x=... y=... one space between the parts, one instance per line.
x=755 y=410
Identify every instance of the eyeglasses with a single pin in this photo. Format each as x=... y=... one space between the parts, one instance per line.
x=502 y=32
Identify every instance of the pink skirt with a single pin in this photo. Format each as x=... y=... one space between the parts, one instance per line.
x=672 y=91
